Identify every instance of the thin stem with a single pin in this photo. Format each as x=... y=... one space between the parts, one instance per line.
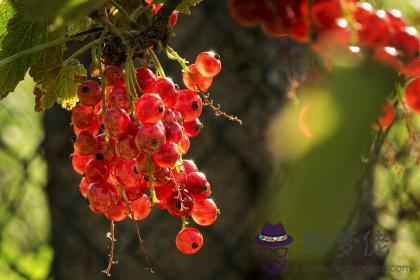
x=111 y=235
x=134 y=78
x=120 y=8
x=156 y=63
x=137 y=12
x=172 y=54
x=139 y=238
x=103 y=16
x=98 y=58
x=44 y=46
x=151 y=181
x=81 y=50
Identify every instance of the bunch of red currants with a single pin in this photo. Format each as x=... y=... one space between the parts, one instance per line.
x=334 y=28
x=129 y=147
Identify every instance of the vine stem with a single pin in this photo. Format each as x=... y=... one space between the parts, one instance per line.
x=82 y=50
x=172 y=54
x=111 y=235
x=156 y=63
x=44 y=46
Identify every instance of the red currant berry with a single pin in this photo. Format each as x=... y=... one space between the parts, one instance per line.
x=106 y=148
x=412 y=95
x=192 y=129
x=180 y=203
x=189 y=166
x=150 y=137
x=362 y=12
x=167 y=156
x=79 y=162
x=90 y=92
x=142 y=164
x=185 y=144
x=204 y=212
x=208 y=64
x=189 y=104
x=173 y=18
x=82 y=116
x=114 y=75
x=173 y=132
x=197 y=185
x=126 y=147
x=134 y=193
x=396 y=19
x=114 y=93
x=166 y=89
x=93 y=128
x=97 y=171
x=376 y=31
x=407 y=42
x=85 y=144
x=193 y=80
x=180 y=175
x=172 y=116
x=161 y=175
x=141 y=208
x=145 y=78
x=149 y=108
x=326 y=13
x=387 y=117
x=189 y=241
x=116 y=122
x=245 y=12
x=163 y=192
x=102 y=196
x=118 y=212
x=83 y=186
x=126 y=174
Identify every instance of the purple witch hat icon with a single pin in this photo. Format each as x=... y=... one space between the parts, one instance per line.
x=273 y=235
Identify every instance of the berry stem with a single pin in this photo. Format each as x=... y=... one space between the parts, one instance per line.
x=47 y=45
x=156 y=62
x=121 y=9
x=172 y=54
x=216 y=108
x=111 y=236
x=137 y=12
x=97 y=58
x=151 y=181
x=136 y=225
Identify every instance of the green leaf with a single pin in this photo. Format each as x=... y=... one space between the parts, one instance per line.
x=20 y=34
x=185 y=5
x=62 y=10
x=57 y=82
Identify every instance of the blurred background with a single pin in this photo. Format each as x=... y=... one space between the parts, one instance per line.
x=259 y=172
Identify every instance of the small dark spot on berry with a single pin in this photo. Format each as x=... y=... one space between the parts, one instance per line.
x=135 y=170
x=99 y=156
x=194 y=106
x=160 y=109
x=85 y=89
x=153 y=143
x=194 y=245
x=102 y=126
x=204 y=188
x=178 y=205
x=216 y=56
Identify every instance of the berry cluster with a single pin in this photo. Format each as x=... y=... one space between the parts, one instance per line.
x=129 y=148
x=336 y=27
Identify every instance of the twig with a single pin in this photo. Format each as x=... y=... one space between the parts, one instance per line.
x=216 y=108
x=111 y=235
x=103 y=16
x=120 y=8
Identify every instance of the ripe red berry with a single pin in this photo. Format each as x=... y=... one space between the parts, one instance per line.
x=97 y=171
x=79 y=162
x=396 y=19
x=126 y=174
x=163 y=192
x=189 y=104
x=93 y=128
x=85 y=144
x=197 y=185
x=150 y=137
x=142 y=164
x=114 y=75
x=245 y=12
x=126 y=147
x=362 y=12
x=204 y=212
x=113 y=93
x=412 y=95
x=386 y=118
x=82 y=116
x=193 y=80
x=193 y=128
x=173 y=132
x=149 y=108
x=83 y=186
x=145 y=78
x=208 y=64
x=375 y=32
x=134 y=193
x=180 y=203
x=180 y=175
x=165 y=88
x=90 y=92
x=167 y=156
x=189 y=240
x=161 y=175
x=118 y=212
x=172 y=116
x=102 y=196
x=326 y=13
x=185 y=144
x=189 y=166
x=407 y=42
x=116 y=122
x=141 y=208
x=173 y=18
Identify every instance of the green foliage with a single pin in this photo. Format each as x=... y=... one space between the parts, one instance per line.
x=185 y=6
x=57 y=81
x=20 y=34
